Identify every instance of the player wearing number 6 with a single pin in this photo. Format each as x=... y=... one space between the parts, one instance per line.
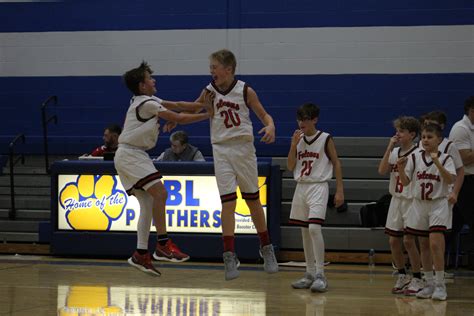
x=235 y=161
x=312 y=158
x=431 y=173
x=407 y=128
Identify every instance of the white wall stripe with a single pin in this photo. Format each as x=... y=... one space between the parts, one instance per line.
x=355 y=50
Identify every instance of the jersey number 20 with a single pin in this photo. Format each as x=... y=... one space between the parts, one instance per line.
x=231 y=118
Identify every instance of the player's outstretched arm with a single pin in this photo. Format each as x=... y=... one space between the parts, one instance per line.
x=183 y=118
x=257 y=107
x=336 y=164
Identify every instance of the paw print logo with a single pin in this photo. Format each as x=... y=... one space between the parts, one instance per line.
x=92 y=202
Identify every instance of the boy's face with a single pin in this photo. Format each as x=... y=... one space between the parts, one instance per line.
x=430 y=141
x=147 y=86
x=220 y=74
x=404 y=136
x=307 y=125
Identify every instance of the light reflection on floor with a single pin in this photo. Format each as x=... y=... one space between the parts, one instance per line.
x=103 y=300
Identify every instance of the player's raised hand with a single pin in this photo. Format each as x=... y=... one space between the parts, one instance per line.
x=297 y=135
x=169 y=126
x=209 y=102
x=269 y=134
x=434 y=156
x=394 y=140
x=402 y=162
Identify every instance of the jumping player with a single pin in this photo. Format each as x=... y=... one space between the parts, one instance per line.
x=136 y=170
x=235 y=161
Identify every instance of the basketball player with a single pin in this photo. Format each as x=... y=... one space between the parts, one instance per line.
x=312 y=158
x=429 y=216
x=235 y=161
x=449 y=148
x=407 y=128
x=136 y=170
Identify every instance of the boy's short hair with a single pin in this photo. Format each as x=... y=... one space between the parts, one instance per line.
x=133 y=77
x=180 y=136
x=410 y=123
x=114 y=128
x=433 y=128
x=307 y=111
x=469 y=104
x=226 y=58
x=437 y=116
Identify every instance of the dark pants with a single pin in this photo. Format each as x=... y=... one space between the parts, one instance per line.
x=463 y=212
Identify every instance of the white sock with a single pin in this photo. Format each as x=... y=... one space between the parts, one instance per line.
x=439 y=276
x=318 y=246
x=428 y=276
x=144 y=219
x=308 y=251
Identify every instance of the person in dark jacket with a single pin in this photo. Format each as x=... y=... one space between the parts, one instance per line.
x=180 y=149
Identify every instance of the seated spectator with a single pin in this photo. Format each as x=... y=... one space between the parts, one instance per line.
x=180 y=149
x=111 y=135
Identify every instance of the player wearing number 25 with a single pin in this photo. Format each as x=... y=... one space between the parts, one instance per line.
x=235 y=161
x=312 y=158
x=431 y=173
x=401 y=145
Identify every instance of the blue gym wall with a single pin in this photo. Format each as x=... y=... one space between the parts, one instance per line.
x=363 y=62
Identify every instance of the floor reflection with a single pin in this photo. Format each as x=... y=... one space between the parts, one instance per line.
x=114 y=301
x=419 y=307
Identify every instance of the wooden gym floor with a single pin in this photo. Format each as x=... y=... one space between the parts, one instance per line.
x=43 y=285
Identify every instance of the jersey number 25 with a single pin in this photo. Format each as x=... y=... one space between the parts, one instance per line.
x=307 y=167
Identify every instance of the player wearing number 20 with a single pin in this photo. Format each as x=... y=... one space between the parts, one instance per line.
x=432 y=172
x=235 y=161
x=312 y=158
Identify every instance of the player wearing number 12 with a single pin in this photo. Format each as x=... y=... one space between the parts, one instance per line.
x=235 y=161
x=312 y=158
x=407 y=128
x=432 y=172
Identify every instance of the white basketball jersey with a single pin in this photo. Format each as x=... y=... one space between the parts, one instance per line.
x=231 y=114
x=312 y=161
x=396 y=187
x=141 y=127
x=427 y=181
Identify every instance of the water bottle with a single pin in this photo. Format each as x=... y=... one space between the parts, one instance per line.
x=371 y=259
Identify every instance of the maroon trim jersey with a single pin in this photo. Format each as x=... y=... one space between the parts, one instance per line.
x=396 y=187
x=141 y=127
x=312 y=161
x=231 y=118
x=427 y=181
